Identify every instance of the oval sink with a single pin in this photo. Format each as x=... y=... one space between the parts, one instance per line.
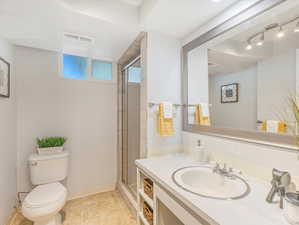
x=203 y=181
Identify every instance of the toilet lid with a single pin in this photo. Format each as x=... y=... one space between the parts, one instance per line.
x=45 y=194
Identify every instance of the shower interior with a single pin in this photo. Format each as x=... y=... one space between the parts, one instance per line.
x=131 y=123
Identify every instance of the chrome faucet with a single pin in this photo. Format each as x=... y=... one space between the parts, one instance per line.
x=280 y=182
x=222 y=171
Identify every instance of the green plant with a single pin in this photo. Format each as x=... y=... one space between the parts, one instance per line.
x=295 y=110
x=50 y=142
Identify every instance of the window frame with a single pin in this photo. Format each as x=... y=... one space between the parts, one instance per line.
x=89 y=68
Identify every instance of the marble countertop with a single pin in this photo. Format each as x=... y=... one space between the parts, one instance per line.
x=251 y=210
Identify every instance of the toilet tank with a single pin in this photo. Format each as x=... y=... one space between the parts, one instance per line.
x=50 y=168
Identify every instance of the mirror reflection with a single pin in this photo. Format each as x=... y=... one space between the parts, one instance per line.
x=246 y=81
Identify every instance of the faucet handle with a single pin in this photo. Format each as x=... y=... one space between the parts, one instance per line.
x=216 y=168
x=280 y=182
x=281 y=178
x=285 y=180
x=234 y=170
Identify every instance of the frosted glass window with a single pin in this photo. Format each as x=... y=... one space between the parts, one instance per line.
x=74 y=67
x=101 y=70
x=134 y=74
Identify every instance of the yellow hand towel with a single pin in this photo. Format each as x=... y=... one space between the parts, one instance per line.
x=165 y=125
x=280 y=129
x=264 y=125
x=197 y=115
x=199 y=118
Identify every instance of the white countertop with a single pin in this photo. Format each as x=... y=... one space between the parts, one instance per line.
x=251 y=210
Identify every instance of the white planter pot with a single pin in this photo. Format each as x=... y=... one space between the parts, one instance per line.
x=50 y=150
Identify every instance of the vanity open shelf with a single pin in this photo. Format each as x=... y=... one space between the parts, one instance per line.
x=145 y=200
x=148 y=195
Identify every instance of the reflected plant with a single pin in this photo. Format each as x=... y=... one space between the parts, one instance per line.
x=295 y=110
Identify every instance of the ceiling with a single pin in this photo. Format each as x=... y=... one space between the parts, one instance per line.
x=181 y=17
x=231 y=56
x=113 y=24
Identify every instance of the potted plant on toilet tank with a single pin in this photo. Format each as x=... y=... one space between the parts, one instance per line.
x=50 y=145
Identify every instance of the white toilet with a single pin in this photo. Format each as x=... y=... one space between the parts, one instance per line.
x=43 y=203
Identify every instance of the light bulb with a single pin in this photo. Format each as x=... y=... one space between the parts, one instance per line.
x=261 y=40
x=249 y=45
x=280 y=34
x=259 y=43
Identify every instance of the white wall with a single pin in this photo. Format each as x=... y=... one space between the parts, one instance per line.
x=276 y=82
x=163 y=84
x=82 y=111
x=8 y=147
x=240 y=115
x=198 y=76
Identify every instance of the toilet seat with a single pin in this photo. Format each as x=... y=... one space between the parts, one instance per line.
x=44 y=195
x=44 y=201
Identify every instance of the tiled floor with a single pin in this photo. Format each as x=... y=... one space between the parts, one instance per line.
x=101 y=209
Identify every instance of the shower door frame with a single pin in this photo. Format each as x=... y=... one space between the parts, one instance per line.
x=124 y=119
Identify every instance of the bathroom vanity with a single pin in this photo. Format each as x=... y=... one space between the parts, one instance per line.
x=172 y=204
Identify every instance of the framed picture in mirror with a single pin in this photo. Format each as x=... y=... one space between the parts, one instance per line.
x=230 y=93
x=4 y=78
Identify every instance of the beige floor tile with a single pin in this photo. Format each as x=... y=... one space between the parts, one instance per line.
x=100 y=209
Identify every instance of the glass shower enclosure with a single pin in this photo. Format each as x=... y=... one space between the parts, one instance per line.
x=130 y=123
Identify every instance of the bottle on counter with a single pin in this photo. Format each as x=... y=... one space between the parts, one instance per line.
x=200 y=153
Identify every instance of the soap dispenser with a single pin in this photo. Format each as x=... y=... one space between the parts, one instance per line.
x=200 y=153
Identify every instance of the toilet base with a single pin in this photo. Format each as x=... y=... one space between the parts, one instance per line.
x=56 y=220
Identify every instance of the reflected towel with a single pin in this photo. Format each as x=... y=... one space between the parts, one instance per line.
x=167 y=110
x=197 y=114
x=165 y=125
x=202 y=115
x=191 y=115
x=274 y=126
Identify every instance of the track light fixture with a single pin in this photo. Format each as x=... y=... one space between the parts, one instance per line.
x=280 y=34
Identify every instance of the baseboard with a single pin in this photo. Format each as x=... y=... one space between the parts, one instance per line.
x=128 y=197
x=106 y=188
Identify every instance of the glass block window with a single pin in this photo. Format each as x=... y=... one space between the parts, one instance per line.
x=101 y=70
x=134 y=74
x=75 y=67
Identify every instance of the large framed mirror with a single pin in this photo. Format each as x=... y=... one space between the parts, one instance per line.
x=239 y=77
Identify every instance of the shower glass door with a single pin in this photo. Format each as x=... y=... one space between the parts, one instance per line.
x=131 y=123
